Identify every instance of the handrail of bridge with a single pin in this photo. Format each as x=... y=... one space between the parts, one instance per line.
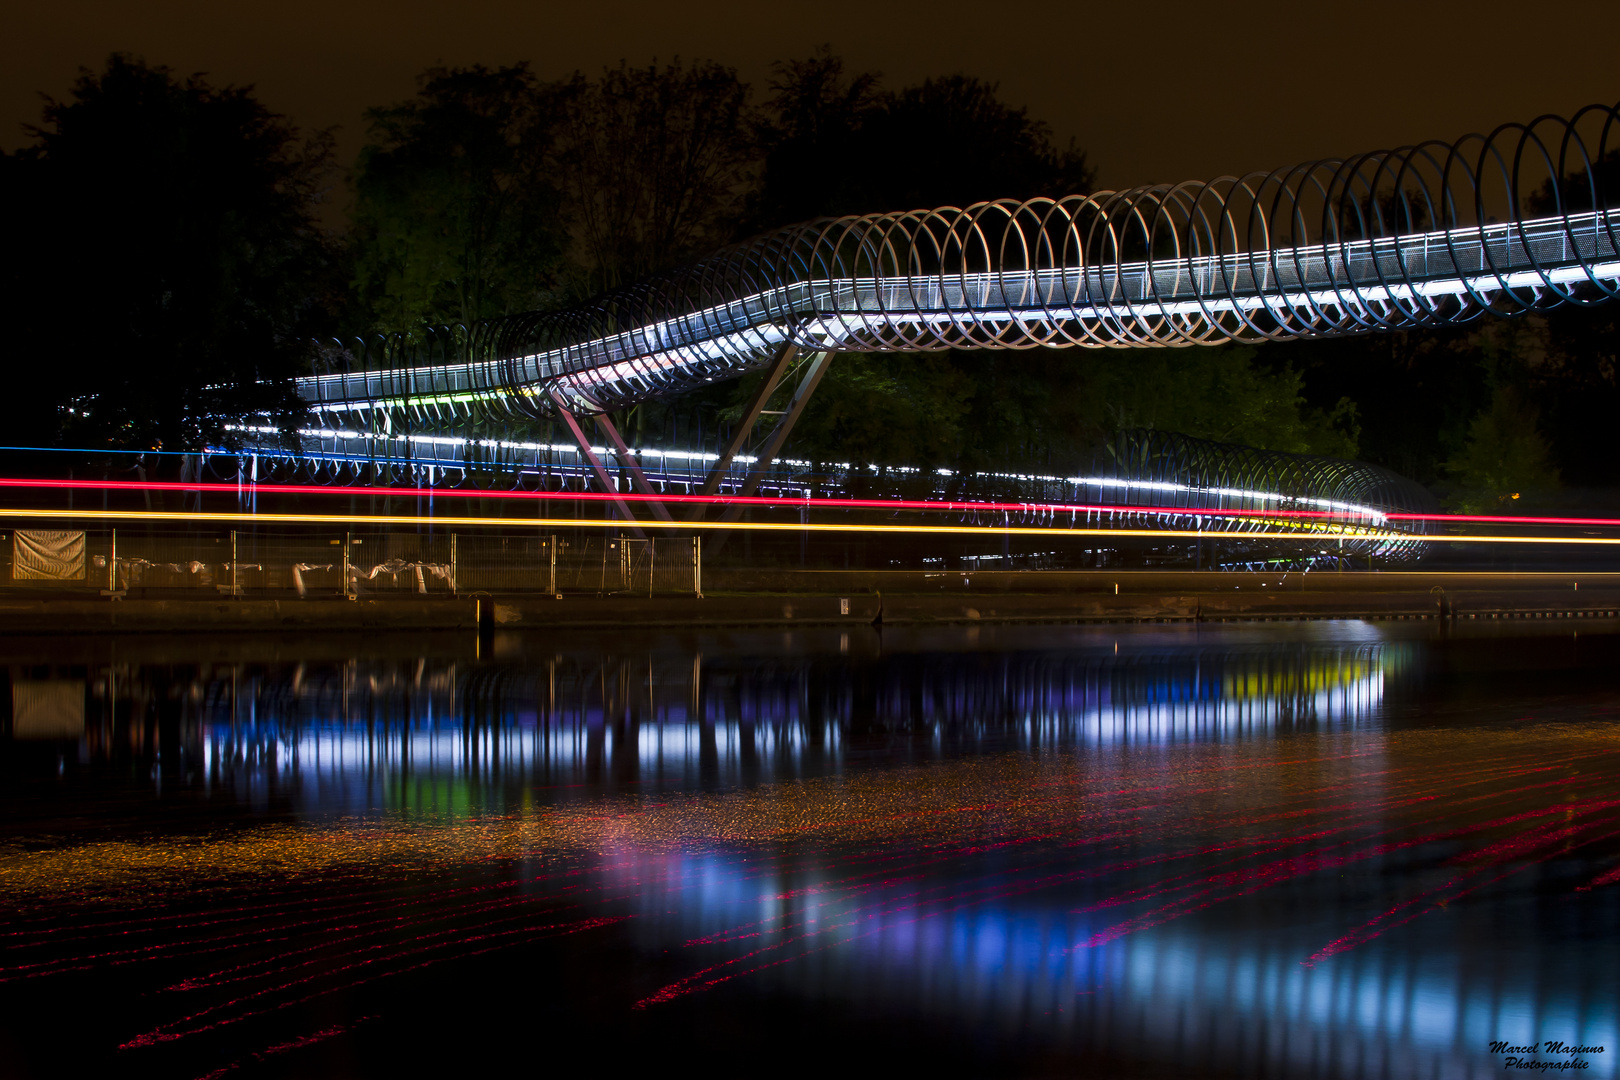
x=1434 y=234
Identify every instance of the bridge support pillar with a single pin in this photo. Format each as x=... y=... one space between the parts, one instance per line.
x=750 y=416
x=638 y=479
x=816 y=367
x=602 y=478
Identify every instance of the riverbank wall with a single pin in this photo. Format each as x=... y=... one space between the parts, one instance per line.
x=856 y=598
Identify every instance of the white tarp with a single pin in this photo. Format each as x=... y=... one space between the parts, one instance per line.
x=47 y=555
x=50 y=709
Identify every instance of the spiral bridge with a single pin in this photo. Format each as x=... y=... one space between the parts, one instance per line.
x=1434 y=235
x=1431 y=235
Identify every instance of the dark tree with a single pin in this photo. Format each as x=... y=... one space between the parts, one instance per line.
x=837 y=144
x=654 y=163
x=810 y=141
x=952 y=141
x=455 y=216
x=1576 y=386
x=166 y=269
x=1577 y=390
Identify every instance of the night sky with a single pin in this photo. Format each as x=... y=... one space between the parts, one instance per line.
x=1155 y=91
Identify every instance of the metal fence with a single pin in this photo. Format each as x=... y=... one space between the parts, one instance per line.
x=358 y=564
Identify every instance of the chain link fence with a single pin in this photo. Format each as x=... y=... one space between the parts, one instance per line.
x=370 y=564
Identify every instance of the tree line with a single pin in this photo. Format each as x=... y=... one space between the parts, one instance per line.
x=171 y=254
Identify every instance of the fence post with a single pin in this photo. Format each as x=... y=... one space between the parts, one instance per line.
x=697 y=566
x=551 y=542
x=112 y=563
x=452 y=564
x=235 y=591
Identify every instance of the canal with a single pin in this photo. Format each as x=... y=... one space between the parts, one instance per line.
x=1314 y=849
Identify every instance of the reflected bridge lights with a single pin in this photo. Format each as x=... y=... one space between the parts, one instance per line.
x=335 y=736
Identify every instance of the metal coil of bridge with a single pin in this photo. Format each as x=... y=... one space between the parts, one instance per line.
x=1430 y=235
x=1433 y=235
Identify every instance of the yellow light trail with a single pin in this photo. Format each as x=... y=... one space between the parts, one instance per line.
x=1352 y=533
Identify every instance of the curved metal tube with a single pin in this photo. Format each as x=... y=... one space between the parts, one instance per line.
x=1433 y=235
x=1430 y=235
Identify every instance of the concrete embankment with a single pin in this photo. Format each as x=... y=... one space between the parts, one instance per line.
x=851 y=598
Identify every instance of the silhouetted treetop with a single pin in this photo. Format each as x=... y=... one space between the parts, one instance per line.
x=456 y=214
x=654 y=163
x=839 y=144
x=167 y=271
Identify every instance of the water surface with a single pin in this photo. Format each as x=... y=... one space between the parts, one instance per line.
x=1306 y=849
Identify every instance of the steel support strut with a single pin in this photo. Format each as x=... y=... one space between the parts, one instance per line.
x=773 y=444
x=638 y=479
x=745 y=426
x=602 y=477
x=816 y=368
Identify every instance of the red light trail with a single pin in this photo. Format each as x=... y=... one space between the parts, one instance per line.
x=921 y=505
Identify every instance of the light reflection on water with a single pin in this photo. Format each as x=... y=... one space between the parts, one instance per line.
x=350 y=737
x=1199 y=996
x=1203 y=848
